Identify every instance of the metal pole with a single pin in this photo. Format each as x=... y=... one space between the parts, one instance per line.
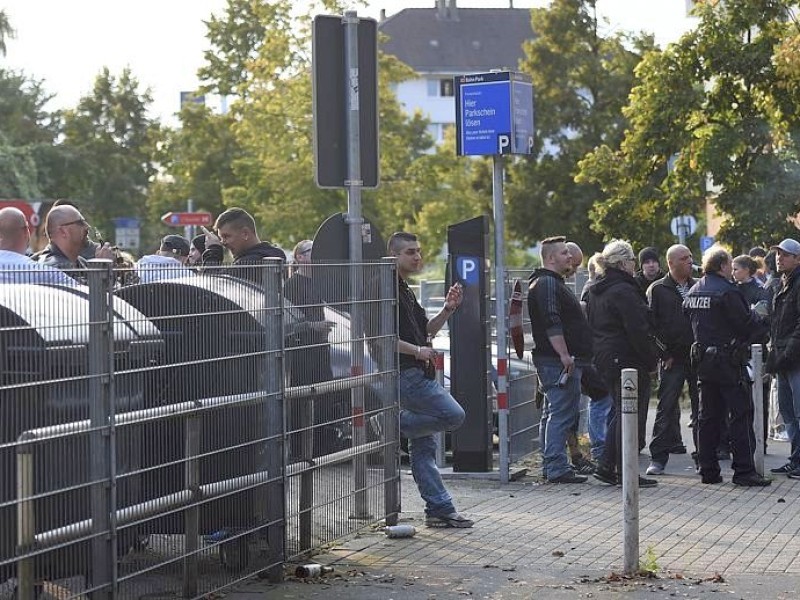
x=191 y=515
x=757 y=361
x=26 y=523
x=500 y=315
x=274 y=451
x=630 y=470
x=355 y=222
x=391 y=392
x=188 y=231
x=100 y=331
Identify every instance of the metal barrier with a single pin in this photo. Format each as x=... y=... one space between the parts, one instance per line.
x=174 y=437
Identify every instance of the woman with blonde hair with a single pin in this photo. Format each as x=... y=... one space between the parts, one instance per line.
x=622 y=335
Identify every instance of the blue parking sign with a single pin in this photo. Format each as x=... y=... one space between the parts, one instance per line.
x=706 y=242
x=467 y=269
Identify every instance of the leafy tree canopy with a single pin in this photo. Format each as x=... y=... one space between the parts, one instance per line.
x=716 y=113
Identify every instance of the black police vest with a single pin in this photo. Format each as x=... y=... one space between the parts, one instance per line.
x=705 y=305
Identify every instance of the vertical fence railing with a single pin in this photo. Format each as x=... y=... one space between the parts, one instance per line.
x=144 y=430
x=101 y=439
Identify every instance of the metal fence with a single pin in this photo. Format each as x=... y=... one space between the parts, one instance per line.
x=171 y=437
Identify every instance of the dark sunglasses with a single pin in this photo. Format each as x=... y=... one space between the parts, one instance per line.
x=76 y=222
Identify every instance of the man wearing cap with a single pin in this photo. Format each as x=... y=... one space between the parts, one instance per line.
x=723 y=326
x=167 y=263
x=649 y=269
x=784 y=356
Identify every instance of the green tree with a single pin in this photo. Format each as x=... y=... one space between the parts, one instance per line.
x=720 y=106
x=261 y=54
x=6 y=31
x=581 y=81
x=31 y=161
x=113 y=144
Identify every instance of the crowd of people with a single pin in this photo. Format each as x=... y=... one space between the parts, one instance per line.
x=690 y=333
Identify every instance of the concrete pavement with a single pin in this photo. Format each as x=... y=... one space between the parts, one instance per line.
x=535 y=540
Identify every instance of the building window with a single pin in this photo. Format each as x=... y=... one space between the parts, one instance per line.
x=433 y=87
x=440 y=88
x=446 y=88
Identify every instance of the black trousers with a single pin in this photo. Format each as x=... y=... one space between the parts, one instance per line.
x=717 y=400
x=612 y=453
x=667 y=426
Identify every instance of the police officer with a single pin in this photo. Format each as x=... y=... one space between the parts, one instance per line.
x=723 y=327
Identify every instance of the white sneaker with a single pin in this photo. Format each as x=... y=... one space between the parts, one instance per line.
x=655 y=469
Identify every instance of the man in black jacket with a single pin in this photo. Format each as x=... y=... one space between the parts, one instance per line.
x=784 y=357
x=674 y=332
x=723 y=326
x=563 y=347
x=236 y=231
x=649 y=268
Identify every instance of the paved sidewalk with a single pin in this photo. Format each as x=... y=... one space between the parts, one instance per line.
x=534 y=540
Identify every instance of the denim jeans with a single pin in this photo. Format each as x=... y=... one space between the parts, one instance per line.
x=558 y=416
x=426 y=409
x=667 y=426
x=789 y=407
x=599 y=411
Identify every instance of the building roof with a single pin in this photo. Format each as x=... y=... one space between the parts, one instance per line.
x=472 y=40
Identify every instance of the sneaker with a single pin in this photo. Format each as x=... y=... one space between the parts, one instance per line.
x=712 y=479
x=655 y=468
x=454 y=519
x=783 y=470
x=607 y=477
x=644 y=482
x=584 y=466
x=794 y=473
x=569 y=477
x=751 y=480
x=678 y=449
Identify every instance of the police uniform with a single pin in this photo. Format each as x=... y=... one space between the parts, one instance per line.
x=723 y=327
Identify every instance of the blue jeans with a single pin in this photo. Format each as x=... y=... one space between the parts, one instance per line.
x=599 y=411
x=426 y=409
x=789 y=407
x=558 y=416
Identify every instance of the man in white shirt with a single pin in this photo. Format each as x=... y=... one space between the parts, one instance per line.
x=15 y=266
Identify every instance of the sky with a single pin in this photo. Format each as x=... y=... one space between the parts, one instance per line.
x=67 y=44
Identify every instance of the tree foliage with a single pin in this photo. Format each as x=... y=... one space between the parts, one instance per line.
x=113 y=143
x=716 y=113
x=581 y=80
x=263 y=149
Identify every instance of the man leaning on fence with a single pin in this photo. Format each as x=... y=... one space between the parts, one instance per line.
x=426 y=408
x=724 y=326
x=563 y=347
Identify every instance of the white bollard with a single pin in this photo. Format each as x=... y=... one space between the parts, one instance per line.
x=630 y=470
x=757 y=363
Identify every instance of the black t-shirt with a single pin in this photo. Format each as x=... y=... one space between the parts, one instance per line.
x=412 y=322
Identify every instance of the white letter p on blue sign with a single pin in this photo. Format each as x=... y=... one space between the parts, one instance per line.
x=467 y=269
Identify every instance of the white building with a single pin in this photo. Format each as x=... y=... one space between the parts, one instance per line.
x=444 y=41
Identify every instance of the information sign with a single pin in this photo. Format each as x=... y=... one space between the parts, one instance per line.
x=494 y=114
